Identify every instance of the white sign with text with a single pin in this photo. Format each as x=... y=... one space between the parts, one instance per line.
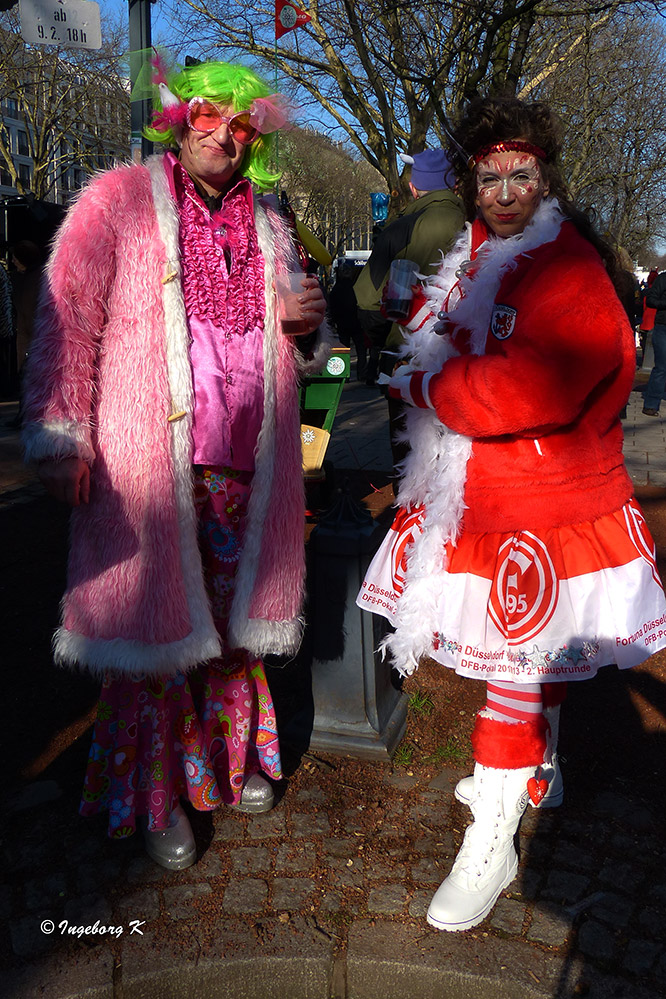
x=68 y=23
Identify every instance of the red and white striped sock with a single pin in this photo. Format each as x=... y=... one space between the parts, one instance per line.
x=513 y=702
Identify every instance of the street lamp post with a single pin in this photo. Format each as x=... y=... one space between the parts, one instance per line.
x=139 y=40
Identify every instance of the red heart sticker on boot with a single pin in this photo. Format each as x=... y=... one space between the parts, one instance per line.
x=537 y=789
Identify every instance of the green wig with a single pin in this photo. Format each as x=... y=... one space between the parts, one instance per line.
x=230 y=86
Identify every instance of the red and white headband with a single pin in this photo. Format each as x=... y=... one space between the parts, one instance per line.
x=508 y=146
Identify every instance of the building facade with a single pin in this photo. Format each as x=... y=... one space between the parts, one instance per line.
x=62 y=116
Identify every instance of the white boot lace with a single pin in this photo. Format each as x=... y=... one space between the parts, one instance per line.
x=481 y=845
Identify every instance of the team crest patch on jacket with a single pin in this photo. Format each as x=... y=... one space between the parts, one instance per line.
x=503 y=321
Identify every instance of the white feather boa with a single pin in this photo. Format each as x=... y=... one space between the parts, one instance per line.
x=435 y=469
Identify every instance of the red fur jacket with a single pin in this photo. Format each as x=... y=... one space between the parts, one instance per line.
x=541 y=404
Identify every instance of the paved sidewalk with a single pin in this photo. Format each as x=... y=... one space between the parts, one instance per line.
x=360 y=440
x=325 y=897
x=360 y=437
x=17 y=482
x=645 y=443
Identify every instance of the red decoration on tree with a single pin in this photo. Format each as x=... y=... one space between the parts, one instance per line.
x=288 y=16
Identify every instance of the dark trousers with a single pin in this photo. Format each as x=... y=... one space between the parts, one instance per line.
x=654 y=390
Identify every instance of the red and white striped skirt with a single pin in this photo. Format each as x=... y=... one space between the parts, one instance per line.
x=543 y=605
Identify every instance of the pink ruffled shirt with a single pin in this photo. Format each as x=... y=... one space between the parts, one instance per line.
x=223 y=287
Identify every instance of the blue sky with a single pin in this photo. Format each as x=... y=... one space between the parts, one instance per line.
x=163 y=33
x=121 y=8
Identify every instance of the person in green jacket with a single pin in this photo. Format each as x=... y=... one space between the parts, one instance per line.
x=423 y=233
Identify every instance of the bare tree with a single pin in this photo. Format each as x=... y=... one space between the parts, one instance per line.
x=72 y=106
x=328 y=188
x=610 y=97
x=387 y=72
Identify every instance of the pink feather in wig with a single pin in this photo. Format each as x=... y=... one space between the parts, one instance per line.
x=174 y=111
x=159 y=68
x=171 y=116
x=271 y=113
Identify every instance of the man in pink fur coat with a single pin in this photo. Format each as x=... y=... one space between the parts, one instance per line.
x=162 y=405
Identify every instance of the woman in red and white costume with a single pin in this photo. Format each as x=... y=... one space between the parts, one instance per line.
x=519 y=555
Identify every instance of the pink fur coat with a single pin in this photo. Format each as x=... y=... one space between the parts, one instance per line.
x=110 y=380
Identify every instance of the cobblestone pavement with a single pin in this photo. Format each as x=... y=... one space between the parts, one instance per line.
x=644 y=444
x=325 y=896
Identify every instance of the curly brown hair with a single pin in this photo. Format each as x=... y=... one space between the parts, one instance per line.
x=487 y=120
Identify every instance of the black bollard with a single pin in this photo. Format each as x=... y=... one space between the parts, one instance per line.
x=359 y=709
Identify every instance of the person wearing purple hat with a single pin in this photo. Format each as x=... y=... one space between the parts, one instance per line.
x=423 y=233
x=429 y=169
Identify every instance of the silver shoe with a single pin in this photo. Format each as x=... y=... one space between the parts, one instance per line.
x=173 y=848
x=257 y=796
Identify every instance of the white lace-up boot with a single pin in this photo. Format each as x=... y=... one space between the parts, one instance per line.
x=487 y=860
x=549 y=770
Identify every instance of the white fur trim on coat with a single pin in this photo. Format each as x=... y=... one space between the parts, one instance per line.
x=262 y=636
x=182 y=399
x=268 y=636
x=57 y=439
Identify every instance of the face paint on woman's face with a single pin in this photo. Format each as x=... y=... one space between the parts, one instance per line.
x=509 y=189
